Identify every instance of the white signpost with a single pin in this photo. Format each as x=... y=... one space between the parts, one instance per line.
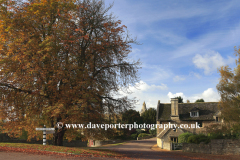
x=44 y=129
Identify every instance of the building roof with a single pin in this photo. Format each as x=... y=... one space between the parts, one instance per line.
x=161 y=134
x=166 y=131
x=206 y=111
x=164 y=112
x=194 y=109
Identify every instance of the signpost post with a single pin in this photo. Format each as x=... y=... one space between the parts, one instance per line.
x=44 y=129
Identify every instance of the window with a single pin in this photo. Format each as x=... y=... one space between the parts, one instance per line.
x=200 y=124
x=194 y=114
x=174 y=139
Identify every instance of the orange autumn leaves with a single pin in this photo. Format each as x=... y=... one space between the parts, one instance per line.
x=61 y=60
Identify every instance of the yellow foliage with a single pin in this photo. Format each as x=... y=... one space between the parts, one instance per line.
x=228 y=88
x=53 y=67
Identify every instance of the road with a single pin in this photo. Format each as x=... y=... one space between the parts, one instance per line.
x=143 y=150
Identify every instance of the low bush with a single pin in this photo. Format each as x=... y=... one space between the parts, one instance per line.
x=139 y=131
x=216 y=136
x=198 y=139
x=183 y=138
x=143 y=135
x=224 y=136
x=134 y=136
x=153 y=132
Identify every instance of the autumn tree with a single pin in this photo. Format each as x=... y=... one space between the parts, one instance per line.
x=229 y=89
x=61 y=61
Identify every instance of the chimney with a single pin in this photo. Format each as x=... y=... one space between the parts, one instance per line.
x=174 y=109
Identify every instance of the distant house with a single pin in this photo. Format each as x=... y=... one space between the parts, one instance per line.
x=186 y=115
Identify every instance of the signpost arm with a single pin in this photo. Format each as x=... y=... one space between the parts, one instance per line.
x=44 y=129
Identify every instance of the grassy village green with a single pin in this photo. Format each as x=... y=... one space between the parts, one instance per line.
x=62 y=149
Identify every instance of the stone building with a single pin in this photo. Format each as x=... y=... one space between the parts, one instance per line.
x=187 y=116
x=144 y=108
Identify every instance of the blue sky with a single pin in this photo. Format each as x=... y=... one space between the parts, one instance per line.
x=183 y=44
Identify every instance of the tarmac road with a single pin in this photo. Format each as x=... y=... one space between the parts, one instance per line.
x=142 y=149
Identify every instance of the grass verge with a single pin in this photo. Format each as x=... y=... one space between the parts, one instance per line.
x=39 y=149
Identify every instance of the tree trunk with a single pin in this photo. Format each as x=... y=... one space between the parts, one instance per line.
x=55 y=136
x=58 y=137
x=59 y=134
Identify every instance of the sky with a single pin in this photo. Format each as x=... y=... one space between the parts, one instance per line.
x=183 y=44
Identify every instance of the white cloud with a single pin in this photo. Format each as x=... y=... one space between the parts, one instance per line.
x=171 y=95
x=208 y=95
x=143 y=87
x=152 y=93
x=210 y=62
x=145 y=92
x=178 y=78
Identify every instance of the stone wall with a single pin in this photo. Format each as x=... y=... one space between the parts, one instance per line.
x=164 y=143
x=216 y=146
x=197 y=148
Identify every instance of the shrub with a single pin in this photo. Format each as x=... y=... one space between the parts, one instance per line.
x=224 y=135
x=134 y=136
x=153 y=132
x=203 y=138
x=183 y=138
x=139 y=131
x=192 y=139
x=145 y=132
x=198 y=138
x=216 y=136
x=143 y=135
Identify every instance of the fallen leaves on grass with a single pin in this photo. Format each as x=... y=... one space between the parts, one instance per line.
x=35 y=151
x=57 y=150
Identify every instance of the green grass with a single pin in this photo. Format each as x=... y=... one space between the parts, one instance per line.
x=74 y=150
x=116 y=144
x=106 y=145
